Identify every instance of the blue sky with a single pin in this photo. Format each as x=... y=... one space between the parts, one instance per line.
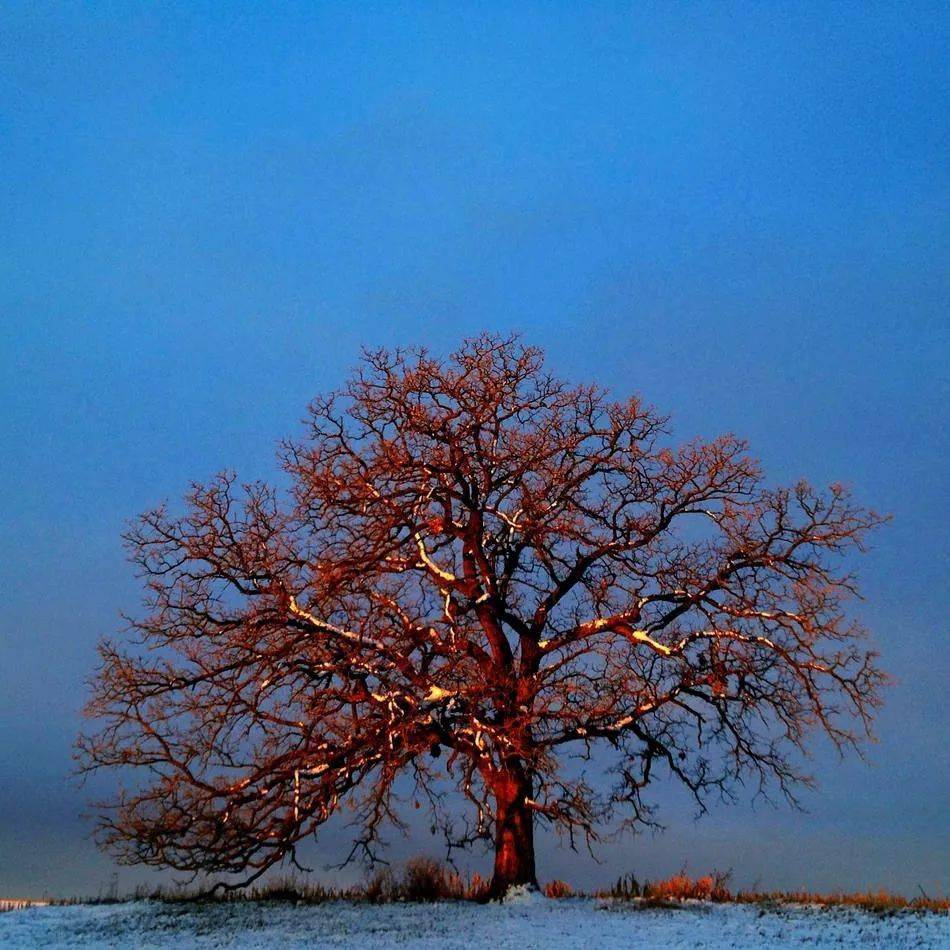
x=739 y=211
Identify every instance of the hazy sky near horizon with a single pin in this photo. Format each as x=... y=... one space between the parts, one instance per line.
x=736 y=210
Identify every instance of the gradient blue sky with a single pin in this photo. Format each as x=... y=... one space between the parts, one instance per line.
x=740 y=211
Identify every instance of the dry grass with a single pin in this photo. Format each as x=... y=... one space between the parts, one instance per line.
x=869 y=900
x=710 y=887
x=420 y=880
x=557 y=890
x=715 y=887
x=679 y=887
x=423 y=879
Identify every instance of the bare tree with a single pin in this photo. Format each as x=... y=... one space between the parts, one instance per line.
x=474 y=568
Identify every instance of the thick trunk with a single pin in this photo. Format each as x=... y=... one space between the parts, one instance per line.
x=514 y=833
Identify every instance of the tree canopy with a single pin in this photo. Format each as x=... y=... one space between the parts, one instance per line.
x=473 y=569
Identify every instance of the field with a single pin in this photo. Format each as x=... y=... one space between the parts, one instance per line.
x=530 y=922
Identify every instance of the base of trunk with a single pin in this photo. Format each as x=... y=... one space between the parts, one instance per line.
x=514 y=836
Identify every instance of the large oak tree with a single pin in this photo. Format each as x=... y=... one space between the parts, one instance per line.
x=474 y=569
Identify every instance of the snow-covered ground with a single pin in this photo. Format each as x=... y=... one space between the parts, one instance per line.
x=534 y=922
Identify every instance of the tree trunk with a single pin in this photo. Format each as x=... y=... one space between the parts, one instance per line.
x=514 y=833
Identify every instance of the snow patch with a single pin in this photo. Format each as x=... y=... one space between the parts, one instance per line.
x=524 y=895
x=530 y=922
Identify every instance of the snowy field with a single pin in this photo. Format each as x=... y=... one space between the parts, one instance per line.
x=532 y=923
